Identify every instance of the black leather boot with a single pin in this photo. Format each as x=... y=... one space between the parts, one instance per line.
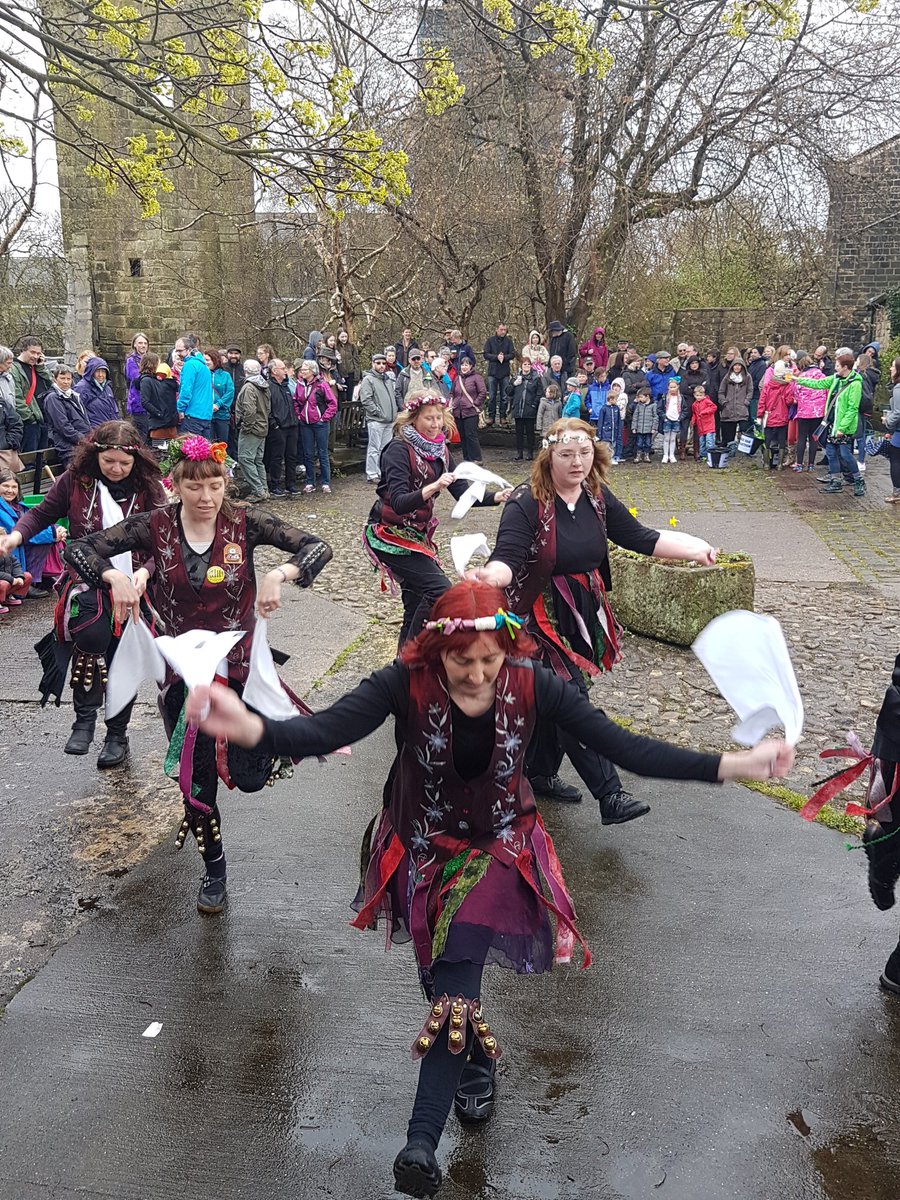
x=621 y=807
x=551 y=787
x=884 y=864
x=115 y=744
x=86 y=702
x=890 y=976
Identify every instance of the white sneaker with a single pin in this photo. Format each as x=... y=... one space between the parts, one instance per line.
x=862 y=466
x=616 y=461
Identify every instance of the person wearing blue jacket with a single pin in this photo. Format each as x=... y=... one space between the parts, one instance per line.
x=32 y=556
x=223 y=397
x=195 y=390
x=65 y=414
x=609 y=420
x=597 y=391
x=658 y=380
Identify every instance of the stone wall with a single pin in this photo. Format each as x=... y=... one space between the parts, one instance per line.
x=718 y=328
x=189 y=268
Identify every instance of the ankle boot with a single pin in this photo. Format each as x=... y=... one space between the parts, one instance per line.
x=115 y=744
x=86 y=702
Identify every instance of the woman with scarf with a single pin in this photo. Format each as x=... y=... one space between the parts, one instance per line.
x=65 y=414
x=460 y=862
x=206 y=580
x=112 y=475
x=552 y=557
x=416 y=466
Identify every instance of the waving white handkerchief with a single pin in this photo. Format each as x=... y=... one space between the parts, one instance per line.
x=476 y=474
x=472 y=495
x=196 y=654
x=263 y=691
x=748 y=660
x=137 y=658
x=464 y=547
x=111 y=514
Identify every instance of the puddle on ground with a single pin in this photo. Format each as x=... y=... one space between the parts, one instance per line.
x=863 y=1163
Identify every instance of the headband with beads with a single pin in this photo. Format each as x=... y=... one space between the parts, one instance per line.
x=578 y=436
x=500 y=620
x=116 y=446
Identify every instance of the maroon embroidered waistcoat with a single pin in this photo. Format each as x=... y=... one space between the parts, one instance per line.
x=437 y=814
x=420 y=477
x=537 y=570
x=85 y=516
x=227 y=596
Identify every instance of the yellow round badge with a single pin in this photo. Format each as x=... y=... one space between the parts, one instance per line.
x=215 y=575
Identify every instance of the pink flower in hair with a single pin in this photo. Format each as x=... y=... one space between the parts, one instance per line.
x=196 y=448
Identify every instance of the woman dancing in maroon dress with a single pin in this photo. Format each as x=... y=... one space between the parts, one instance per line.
x=460 y=862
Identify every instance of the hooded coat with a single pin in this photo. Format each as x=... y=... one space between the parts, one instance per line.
x=694 y=372
x=715 y=372
x=595 y=348
x=538 y=354
x=99 y=401
x=734 y=398
x=67 y=420
x=311 y=346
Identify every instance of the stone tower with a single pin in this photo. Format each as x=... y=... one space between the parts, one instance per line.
x=189 y=268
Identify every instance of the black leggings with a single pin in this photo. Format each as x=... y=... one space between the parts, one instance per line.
x=894 y=460
x=468 y=433
x=549 y=744
x=776 y=440
x=421 y=583
x=440 y=1070
x=806 y=427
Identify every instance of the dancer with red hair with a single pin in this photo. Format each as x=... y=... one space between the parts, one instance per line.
x=459 y=862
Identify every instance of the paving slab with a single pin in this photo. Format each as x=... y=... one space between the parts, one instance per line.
x=784 y=547
x=730 y=1042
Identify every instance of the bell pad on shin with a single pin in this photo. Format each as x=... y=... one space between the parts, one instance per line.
x=457 y=1015
x=204 y=827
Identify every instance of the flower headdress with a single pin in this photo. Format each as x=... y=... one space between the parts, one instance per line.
x=194 y=448
x=501 y=619
x=425 y=398
x=567 y=436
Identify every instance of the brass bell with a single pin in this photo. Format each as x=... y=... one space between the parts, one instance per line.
x=477 y=1013
x=434 y=1027
x=456 y=1022
x=490 y=1044
x=457 y=1007
x=438 y=1010
x=455 y=1037
x=484 y=1029
x=424 y=1043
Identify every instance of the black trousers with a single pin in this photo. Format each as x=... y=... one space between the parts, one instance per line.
x=806 y=427
x=729 y=431
x=421 y=583
x=440 y=1070
x=281 y=455
x=468 y=432
x=776 y=440
x=549 y=745
x=524 y=436
x=894 y=460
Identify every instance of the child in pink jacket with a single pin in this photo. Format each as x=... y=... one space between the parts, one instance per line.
x=810 y=411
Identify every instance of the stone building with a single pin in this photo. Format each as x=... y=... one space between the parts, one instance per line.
x=189 y=268
x=864 y=242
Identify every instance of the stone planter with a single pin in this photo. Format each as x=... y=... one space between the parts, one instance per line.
x=673 y=601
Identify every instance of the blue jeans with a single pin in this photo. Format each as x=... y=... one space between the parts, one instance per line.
x=707 y=442
x=314 y=440
x=643 y=443
x=220 y=429
x=496 y=398
x=193 y=425
x=840 y=459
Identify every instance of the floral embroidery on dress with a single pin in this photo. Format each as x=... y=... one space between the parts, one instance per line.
x=433 y=763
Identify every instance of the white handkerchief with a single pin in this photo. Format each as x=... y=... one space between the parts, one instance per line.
x=748 y=660
x=472 y=495
x=196 y=654
x=137 y=658
x=464 y=547
x=111 y=514
x=263 y=691
x=472 y=471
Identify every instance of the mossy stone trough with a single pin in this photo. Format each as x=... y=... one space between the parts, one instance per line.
x=673 y=601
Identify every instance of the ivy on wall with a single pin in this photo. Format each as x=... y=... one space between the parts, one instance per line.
x=892 y=304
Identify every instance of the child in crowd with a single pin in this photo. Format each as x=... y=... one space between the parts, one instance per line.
x=670 y=418
x=810 y=411
x=584 y=377
x=598 y=390
x=549 y=409
x=14 y=583
x=609 y=422
x=33 y=555
x=777 y=395
x=703 y=418
x=572 y=402
x=643 y=424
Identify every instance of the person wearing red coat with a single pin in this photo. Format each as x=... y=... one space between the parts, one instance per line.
x=595 y=348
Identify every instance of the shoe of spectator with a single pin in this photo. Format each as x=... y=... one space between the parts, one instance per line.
x=308 y=490
x=326 y=488
x=3 y=610
x=276 y=492
x=37 y=593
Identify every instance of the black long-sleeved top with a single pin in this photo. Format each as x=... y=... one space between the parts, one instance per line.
x=394 y=485
x=90 y=556
x=386 y=693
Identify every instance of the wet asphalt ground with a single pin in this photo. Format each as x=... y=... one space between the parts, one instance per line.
x=730 y=1040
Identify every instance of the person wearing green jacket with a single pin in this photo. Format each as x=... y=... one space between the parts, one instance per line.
x=842 y=414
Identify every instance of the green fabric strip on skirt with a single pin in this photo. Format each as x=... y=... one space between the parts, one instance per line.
x=472 y=873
